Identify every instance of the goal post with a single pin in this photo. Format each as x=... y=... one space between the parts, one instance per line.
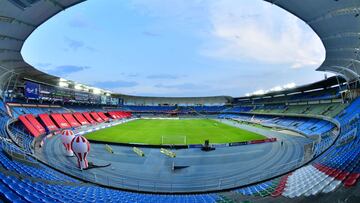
x=173 y=140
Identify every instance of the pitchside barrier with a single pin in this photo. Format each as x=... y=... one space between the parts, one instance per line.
x=237 y=144
x=195 y=146
x=168 y=153
x=138 y=151
x=233 y=144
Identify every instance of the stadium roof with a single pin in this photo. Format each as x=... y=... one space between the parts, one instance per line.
x=336 y=22
x=18 y=19
x=322 y=84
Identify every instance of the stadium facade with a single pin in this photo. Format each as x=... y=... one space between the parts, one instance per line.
x=36 y=106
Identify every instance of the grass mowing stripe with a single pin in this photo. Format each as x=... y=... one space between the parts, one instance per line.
x=151 y=131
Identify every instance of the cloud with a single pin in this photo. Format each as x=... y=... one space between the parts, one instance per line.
x=183 y=86
x=91 y=49
x=66 y=70
x=174 y=13
x=239 y=33
x=74 y=44
x=133 y=75
x=173 y=8
x=245 y=30
x=150 y=34
x=78 y=21
x=115 y=84
x=164 y=76
x=249 y=45
x=274 y=89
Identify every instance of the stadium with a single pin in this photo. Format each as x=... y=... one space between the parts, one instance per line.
x=62 y=141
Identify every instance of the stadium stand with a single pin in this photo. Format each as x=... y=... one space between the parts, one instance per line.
x=20 y=109
x=21 y=137
x=326 y=174
x=119 y=114
x=308 y=126
x=34 y=131
x=339 y=164
x=89 y=118
x=209 y=109
x=35 y=123
x=71 y=120
x=2 y=106
x=80 y=118
x=96 y=117
x=238 y=109
x=103 y=116
x=60 y=121
x=323 y=175
x=48 y=123
x=325 y=112
x=149 y=109
x=114 y=115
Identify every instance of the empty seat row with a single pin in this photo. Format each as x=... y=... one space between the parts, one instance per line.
x=56 y=121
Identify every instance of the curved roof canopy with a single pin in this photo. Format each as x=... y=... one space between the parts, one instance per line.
x=18 y=19
x=336 y=22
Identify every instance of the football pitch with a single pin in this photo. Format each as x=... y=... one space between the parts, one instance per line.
x=176 y=132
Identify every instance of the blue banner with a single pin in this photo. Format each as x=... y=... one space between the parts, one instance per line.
x=32 y=90
x=195 y=145
x=220 y=145
x=238 y=143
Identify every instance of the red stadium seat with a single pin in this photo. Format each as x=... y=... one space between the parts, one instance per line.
x=33 y=131
x=89 y=118
x=96 y=117
x=80 y=118
x=120 y=114
x=114 y=115
x=123 y=114
x=351 y=180
x=49 y=124
x=103 y=116
x=281 y=186
x=71 y=120
x=35 y=123
x=60 y=121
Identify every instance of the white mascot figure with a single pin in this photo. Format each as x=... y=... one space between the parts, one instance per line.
x=66 y=137
x=81 y=148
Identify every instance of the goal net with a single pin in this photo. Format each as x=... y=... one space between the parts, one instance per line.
x=173 y=140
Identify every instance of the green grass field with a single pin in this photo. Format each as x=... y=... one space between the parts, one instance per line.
x=157 y=132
